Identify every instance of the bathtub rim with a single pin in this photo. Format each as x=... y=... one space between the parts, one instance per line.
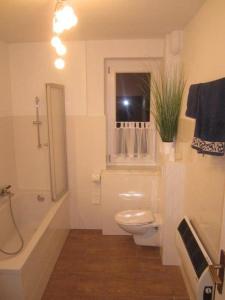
x=15 y=263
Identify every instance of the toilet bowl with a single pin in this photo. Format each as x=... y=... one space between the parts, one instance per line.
x=142 y=224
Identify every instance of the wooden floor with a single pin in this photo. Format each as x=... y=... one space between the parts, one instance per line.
x=96 y=267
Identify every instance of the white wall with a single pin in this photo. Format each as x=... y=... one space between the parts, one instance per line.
x=98 y=51
x=7 y=161
x=83 y=77
x=31 y=66
x=203 y=56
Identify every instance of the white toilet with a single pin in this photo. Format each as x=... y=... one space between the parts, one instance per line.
x=142 y=224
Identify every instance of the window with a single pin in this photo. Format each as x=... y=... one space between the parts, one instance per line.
x=132 y=97
x=131 y=132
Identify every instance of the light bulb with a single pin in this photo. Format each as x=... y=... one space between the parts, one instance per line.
x=59 y=63
x=61 y=49
x=74 y=20
x=56 y=42
x=57 y=26
x=64 y=18
x=69 y=17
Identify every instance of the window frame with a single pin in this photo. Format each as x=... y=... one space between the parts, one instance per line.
x=112 y=67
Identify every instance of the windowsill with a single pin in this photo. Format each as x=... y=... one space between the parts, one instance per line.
x=153 y=169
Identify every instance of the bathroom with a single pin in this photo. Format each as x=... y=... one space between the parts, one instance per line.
x=91 y=257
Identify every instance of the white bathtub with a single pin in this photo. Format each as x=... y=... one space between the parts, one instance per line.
x=44 y=226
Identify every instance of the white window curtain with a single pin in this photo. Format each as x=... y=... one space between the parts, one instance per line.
x=134 y=140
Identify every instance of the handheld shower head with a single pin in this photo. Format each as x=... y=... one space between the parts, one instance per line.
x=4 y=190
x=37 y=100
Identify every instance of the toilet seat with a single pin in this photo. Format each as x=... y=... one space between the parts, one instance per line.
x=135 y=217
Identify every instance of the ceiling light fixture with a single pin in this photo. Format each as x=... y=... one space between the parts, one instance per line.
x=55 y=41
x=64 y=19
x=59 y=63
x=60 y=49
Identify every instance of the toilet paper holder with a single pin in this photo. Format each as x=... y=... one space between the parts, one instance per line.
x=96 y=178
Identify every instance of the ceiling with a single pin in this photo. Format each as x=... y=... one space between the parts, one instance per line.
x=31 y=20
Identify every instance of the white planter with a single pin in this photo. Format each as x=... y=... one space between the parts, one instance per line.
x=168 y=150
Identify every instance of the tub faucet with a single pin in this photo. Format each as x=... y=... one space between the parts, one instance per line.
x=5 y=190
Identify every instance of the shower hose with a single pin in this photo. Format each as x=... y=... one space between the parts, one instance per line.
x=16 y=227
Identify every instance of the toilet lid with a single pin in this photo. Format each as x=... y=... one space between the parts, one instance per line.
x=135 y=217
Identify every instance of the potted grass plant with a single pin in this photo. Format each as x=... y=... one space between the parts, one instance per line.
x=167 y=91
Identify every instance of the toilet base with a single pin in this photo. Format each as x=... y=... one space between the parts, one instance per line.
x=150 y=238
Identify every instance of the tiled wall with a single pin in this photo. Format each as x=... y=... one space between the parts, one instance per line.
x=31 y=67
x=7 y=159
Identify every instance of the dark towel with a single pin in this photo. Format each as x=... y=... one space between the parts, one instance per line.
x=192 y=103
x=207 y=105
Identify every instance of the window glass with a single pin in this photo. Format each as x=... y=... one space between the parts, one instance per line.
x=133 y=97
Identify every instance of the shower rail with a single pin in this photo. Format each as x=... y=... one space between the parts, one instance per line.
x=37 y=122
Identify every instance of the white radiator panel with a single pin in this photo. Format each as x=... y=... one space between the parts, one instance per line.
x=199 y=286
